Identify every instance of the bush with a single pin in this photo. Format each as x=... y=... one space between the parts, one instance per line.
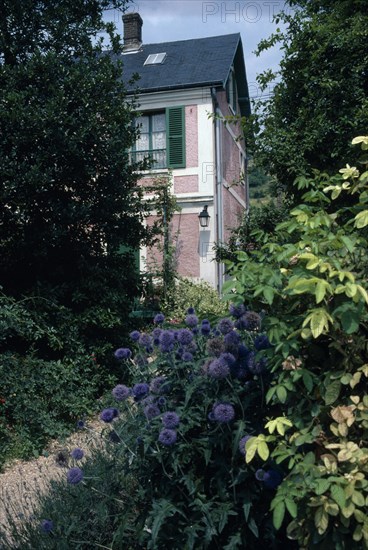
x=175 y=474
x=203 y=298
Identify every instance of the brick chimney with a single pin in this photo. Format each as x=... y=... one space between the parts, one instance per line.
x=132 y=32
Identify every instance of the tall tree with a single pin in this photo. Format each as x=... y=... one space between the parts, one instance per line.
x=68 y=193
x=320 y=100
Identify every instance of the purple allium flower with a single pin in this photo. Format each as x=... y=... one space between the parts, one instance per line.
x=232 y=340
x=242 y=443
x=190 y=310
x=151 y=410
x=158 y=385
x=161 y=401
x=261 y=341
x=156 y=333
x=225 y=325
x=249 y=321
x=170 y=419
x=211 y=417
x=123 y=353
x=191 y=320
x=187 y=357
x=272 y=479
x=80 y=424
x=260 y=474
x=159 y=318
x=135 y=335
x=237 y=311
x=218 y=369
x=223 y=412
x=205 y=327
x=77 y=453
x=108 y=415
x=215 y=347
x=74 y=475
x=47 y=525
x=145 y=340
x=167 y=437
x=227 y=358
x=121 y=392
x=243 y=351
x=185 y=336
x=167 y=339
x=140 y=390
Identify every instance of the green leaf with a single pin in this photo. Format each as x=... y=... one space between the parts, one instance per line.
x=338 y=494
x=361 y=219
x=307 y=380
x=291 y=507
x=278 y=515
x=263 y=450
x=281 y=393
x=332 y=392
x=322 y=485
x=268 y=293
x=253 y=527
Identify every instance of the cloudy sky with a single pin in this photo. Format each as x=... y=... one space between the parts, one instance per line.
x=168 y=20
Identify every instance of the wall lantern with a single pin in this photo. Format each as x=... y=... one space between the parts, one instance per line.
x=204 y=217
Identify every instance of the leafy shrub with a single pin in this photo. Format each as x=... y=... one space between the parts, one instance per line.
x=203 y=298
x=310 y=277
x=176 y=472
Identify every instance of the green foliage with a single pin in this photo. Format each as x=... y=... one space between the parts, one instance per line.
x=310 y=277
x=49 y=378
x=196 y=491
x=319 y=100
x=202 y=297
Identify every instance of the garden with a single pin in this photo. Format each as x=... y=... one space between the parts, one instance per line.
x=238 y=422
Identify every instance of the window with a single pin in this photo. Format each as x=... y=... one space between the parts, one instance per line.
x=231 y=92
x=162 y=138
x=155 y=59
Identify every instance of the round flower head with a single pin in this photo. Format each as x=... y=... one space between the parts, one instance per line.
x=47 y=525
x=135 y=335
x=150 y=411
x=185 y=336
x=225 y=325
x=242 y=443
x=161 y=401
x=272 y=479
x=80 y=424
x=167 y=339
x=167 y=437
x=121 y=392
x=158 y=385
x=237 y=311
x=205 y=327
x=74 y=475
x=77 y=454
x=187 y=357
x=190 y=310
x=223 y=412
x=123 y=353
x=227 y=358
x=159 y=318
x=156 y=333
x=215 y=347
x=218 y=369
x=170 y=419
x=191 y=320
x=231 y=341
x=140 y=390
x=260 y=474
x=145 y=340
x=261 y=341
x=249 y=321
x=108 y=415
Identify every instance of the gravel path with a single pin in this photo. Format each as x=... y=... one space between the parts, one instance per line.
x=23 y=481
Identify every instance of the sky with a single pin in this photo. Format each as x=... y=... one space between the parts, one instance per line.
x=169 y=20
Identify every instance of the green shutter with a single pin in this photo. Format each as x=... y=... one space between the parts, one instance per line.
x=175 y=136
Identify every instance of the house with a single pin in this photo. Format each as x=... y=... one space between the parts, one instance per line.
x=186 y=88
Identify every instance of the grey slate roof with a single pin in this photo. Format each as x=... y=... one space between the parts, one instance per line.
x=188 y=64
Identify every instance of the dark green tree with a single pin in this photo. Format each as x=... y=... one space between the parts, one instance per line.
x=69 y=196
x=320 y=101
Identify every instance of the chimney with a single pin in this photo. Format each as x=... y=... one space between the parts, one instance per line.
x=132 y=32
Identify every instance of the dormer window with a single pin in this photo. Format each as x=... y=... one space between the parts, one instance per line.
x=231 y=92
x=155 y=59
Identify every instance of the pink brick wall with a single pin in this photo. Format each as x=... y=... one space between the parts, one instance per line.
x=184 y=229
x=233 y=212
x=191 y=132
x=185 y=184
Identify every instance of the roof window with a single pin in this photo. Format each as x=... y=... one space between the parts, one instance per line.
x=155 y=58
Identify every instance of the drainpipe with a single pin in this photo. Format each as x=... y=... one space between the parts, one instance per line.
x=218 y=185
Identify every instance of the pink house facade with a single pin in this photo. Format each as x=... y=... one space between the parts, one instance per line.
x=187 y=88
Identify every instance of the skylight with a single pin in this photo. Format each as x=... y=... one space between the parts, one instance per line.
x=155 y=58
